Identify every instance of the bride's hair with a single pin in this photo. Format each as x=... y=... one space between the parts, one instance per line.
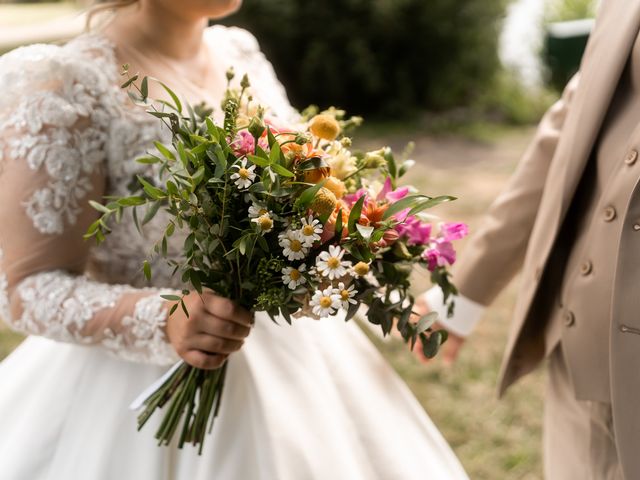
x=102 y=6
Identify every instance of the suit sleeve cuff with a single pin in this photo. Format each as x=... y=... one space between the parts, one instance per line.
x=466 y=315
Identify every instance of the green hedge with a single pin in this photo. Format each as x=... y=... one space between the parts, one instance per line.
x=379 y=56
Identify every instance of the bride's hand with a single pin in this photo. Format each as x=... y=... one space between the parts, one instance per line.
x=215 y=328
x=450 y=350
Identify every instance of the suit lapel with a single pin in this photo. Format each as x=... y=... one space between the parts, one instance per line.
x=611 y=45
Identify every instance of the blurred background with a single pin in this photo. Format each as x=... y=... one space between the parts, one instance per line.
x=466 y=80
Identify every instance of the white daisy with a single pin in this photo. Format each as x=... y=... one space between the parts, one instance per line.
x=331 y=265
x=325 y=302
x=346 y=295
x=264 y=222
x=311 y=230
x=292 y=277
x=245 y=176
x=256 y=211
x=293 y=246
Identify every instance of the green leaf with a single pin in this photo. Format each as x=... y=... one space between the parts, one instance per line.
x=261 y=162
x=151 y=212
x=100 y=207
x=144 y=87
x=407 y=202
x=307 y=196
x=430 y=203
x=147 y=270
x=426 y=322
x=356 y=211
x=148 y=160
x=198 y=176
x=130 y=81
x=131 y=201
x=195 y=280
x=172 y=298
x=313 y=164
x=339 y=227
x=168 y=154
x=174 y=97
x=171 y=228
x=152 y=191
x=431 y=344
x=275 y=156
x=280 y=170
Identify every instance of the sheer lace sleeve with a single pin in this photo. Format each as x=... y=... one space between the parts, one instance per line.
x=55 y=109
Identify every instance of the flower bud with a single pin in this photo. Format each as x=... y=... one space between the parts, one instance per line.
x=230 y=74
x=391 y=236
x=336 y=186
x=325 y=126
x=361 y=269
x=346 y=142
x=374 y=159
x=256 y=127
x=244 y=83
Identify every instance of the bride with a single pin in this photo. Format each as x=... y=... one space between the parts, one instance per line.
x=310 y=401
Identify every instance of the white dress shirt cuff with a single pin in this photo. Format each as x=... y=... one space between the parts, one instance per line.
x=466 y=315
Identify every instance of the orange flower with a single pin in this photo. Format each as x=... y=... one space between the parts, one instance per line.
x=373 y=213
x=329 y=228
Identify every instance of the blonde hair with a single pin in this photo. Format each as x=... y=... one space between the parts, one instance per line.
x=103 y=6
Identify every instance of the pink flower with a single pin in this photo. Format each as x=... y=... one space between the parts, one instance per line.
x=439 y=254
x=453 y=231
x=244 y=144
x=352 y=198
x=389 y=195
x=416 y=232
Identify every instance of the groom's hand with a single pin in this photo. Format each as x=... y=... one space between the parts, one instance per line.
x=450 y=349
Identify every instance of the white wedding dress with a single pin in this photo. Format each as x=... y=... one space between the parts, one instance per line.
x=310 y=401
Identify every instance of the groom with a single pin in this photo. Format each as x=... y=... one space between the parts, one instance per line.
x=570 y=221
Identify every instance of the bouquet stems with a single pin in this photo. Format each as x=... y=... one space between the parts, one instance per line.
x=193 y=397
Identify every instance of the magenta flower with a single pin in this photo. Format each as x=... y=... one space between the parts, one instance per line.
x=391 y=195
x=415 y=231
x=352 y=198
x=441 y=253
x=453 y=231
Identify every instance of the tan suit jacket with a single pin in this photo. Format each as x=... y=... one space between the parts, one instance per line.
x=524 y=223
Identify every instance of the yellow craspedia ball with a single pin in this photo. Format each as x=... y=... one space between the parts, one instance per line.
x=325 y=126
x=324 y=203
x=336 y=186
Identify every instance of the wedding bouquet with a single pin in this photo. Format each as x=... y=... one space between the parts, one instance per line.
x=282 y=219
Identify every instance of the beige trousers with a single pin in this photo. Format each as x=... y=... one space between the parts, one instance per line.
x=579 y=442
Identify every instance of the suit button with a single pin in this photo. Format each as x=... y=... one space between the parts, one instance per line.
x=609 y=214
x=586 y=268
x=568 y=318
x=631 y=157
x=636 y=227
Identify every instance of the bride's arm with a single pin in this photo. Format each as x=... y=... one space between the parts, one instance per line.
x=53 y=127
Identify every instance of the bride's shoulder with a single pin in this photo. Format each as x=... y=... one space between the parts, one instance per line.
x=235 y=39
x=84 y=65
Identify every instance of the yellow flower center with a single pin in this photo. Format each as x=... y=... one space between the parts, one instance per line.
x=265 y=223
x=361 y=268
x=262 y=211
x=325 y=302
x=333 y=263
x=294 y=275
x=308 y=230
x=345 y=295
x=244 y=173
x=295 y=245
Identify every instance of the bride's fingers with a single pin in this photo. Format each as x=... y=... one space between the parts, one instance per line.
x=224 y=329
x=203 y=360
x=214 y=345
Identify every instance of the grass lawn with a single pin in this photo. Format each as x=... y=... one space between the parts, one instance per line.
x=495 y=440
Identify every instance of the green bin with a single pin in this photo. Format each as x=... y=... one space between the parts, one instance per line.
x=564 y=46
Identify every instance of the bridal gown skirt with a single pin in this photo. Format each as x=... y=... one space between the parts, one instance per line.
x=310 y=401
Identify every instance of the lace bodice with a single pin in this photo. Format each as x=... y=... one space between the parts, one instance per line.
x=69 y=134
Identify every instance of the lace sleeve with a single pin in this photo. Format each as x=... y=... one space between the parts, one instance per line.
x=54 y=113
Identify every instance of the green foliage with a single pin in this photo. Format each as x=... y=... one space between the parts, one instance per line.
x=381 y=56
x=566 y=10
